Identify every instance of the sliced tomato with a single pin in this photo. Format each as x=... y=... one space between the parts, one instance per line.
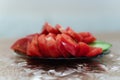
x=94 y=51
x=60 y=28
x=20 y=45
x=42 y=45
x=33 y=48
x=74 y=34
x=47 y=28
x=85 y=34
x=87 y=37
x=69 y=44
x=60 y=46
x=52 y=46
x=51 y=35
x=82 y=49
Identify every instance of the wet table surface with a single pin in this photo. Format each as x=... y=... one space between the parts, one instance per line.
x=14 y=67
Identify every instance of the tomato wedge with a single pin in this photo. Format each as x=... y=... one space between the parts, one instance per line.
x=74 y=35
x=69 y=44
x=82 y=49
x=33 y=48
x=60 y=46
x=87 y=37
x=94 y=51
x=60 y=29
x=47 y=28
x=52 y=46
x=42 y=45
x=20 y=45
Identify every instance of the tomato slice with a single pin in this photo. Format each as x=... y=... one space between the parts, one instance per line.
x=87 y=37
x=69 y=44
x=85 y=34
x=82 y=49
x=42 y=45
x=60 y=28
x=20 y=45
x=60 y=46
x=73 y=34
x=51 y=35
x=94 y=51
x=52 y=46
x=33 y=48
x=47 y=28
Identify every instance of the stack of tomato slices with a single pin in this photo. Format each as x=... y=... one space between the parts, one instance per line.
x=56 y=42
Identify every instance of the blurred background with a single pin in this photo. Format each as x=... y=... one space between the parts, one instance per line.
x=23 y=17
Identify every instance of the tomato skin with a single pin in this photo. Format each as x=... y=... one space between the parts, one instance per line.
x=94 y=51
x=60 y=29
x=47 y=28
x=33 y=48
x=87 y=37
x=51 y=35
x=20 y=45
x=85 y=34
x=73 y=34
x=60 y=47
x=52 y=46
x=69 y=44
x=82 y=49
x=42 y=45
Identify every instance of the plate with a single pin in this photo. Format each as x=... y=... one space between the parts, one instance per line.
x=70 y=58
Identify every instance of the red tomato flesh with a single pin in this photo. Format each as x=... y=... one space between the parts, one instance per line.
x=69 y=44
x=60 y=46
x=52 y=46
x=82 y=49
x=54 y=42
x=20 y=45
x=47 y=28
x=94 y=51
x=42 y=45
x=33 y=48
